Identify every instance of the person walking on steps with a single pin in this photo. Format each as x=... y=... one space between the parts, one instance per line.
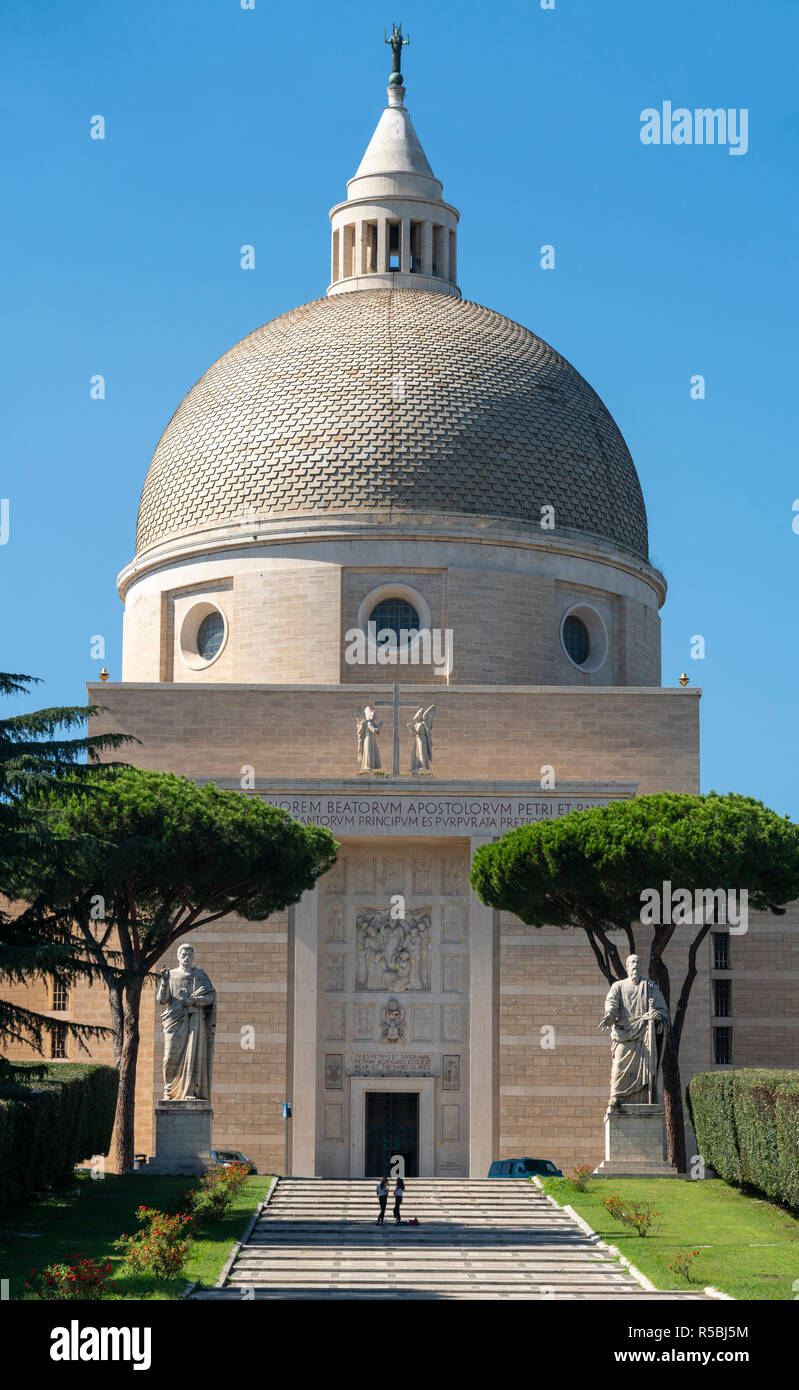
x=399 y=1193
x=382 y=1197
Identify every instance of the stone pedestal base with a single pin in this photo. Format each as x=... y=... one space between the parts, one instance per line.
x=182 y=1137
x=635 y=1144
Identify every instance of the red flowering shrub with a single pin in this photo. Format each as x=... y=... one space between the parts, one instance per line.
x=633 y=1214
x=683 y=1263
x=161 y=1247
x=216 y=1191
x=580 y=1178
x=86 y=1279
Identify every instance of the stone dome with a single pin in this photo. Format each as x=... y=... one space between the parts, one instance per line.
x=401 y=399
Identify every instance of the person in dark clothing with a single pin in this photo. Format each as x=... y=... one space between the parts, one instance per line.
x=382 y=1197
x=399 y=1193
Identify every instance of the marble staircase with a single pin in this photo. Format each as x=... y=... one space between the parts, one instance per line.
x=477 y=1239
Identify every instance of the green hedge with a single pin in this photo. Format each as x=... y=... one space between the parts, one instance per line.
x=52 y=1117
x=747 y=1127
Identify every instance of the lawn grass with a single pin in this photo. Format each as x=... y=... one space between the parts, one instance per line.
x=88 y=1216
x=748 y=1246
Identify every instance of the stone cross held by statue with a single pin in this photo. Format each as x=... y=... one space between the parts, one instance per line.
x=396 y=704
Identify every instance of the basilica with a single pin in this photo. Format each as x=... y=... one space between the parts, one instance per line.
x=392 y=574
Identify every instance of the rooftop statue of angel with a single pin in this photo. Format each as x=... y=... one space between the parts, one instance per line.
x=421 y=726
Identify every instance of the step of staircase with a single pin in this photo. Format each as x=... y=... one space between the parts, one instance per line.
x=477 y=1239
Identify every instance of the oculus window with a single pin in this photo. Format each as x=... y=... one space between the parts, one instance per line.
x=203 y=635
x=395 y=615
x=584 y=638
x=576 y=639
x=210 y=635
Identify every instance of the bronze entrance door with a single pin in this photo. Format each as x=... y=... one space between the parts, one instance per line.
x=392 y=1127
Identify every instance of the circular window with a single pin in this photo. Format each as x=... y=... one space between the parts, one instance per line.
x=584 y=637
x=395 y=615
x=210 y=636
x=575 y=639
x=203 y=634
x=394 y=608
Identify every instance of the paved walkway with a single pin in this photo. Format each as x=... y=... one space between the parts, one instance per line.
x=477 y=1239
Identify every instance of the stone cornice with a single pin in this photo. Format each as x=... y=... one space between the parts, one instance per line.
x=378 y=199
x=387 y=524
x=356 y=690
x=406 y=784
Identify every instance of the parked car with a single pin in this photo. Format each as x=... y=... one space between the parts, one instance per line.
x=524 y=1168
x=224 y=1157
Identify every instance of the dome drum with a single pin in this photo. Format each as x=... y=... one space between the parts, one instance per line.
x=289 y=604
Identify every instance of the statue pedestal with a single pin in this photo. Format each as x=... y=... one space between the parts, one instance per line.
x=182 y=1137
x=635 y=1144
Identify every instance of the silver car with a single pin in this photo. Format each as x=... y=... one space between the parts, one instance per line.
x=224 y=1157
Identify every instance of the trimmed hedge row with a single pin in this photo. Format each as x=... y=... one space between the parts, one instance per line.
x=50 y=1121
x=747 y=1127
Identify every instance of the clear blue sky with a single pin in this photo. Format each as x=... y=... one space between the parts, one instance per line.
x=227 y=126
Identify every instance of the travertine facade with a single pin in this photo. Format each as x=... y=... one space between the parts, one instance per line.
x=605 y=735
x=395 y=455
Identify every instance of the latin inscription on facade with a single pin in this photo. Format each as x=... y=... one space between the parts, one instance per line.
x=424 y=815
x=398 y=1064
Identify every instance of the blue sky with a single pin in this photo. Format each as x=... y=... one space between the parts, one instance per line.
x=227 y=126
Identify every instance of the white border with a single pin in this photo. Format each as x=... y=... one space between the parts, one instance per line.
x=599 y=646
x=189 y=630
x=386 y=591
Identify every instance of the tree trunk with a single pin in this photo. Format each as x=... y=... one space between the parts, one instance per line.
x=126 y=1100
x=117 y=1020
x=672 y=1095
x=670 y=1075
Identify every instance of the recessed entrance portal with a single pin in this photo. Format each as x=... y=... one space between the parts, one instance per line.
x=392 y=1127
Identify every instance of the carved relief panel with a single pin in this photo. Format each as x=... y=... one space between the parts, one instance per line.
x=363 y=1022
x=392 y=953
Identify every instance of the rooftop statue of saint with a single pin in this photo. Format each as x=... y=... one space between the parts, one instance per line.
x=638 y=1017
x=368 y=729
x=189 y=1022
